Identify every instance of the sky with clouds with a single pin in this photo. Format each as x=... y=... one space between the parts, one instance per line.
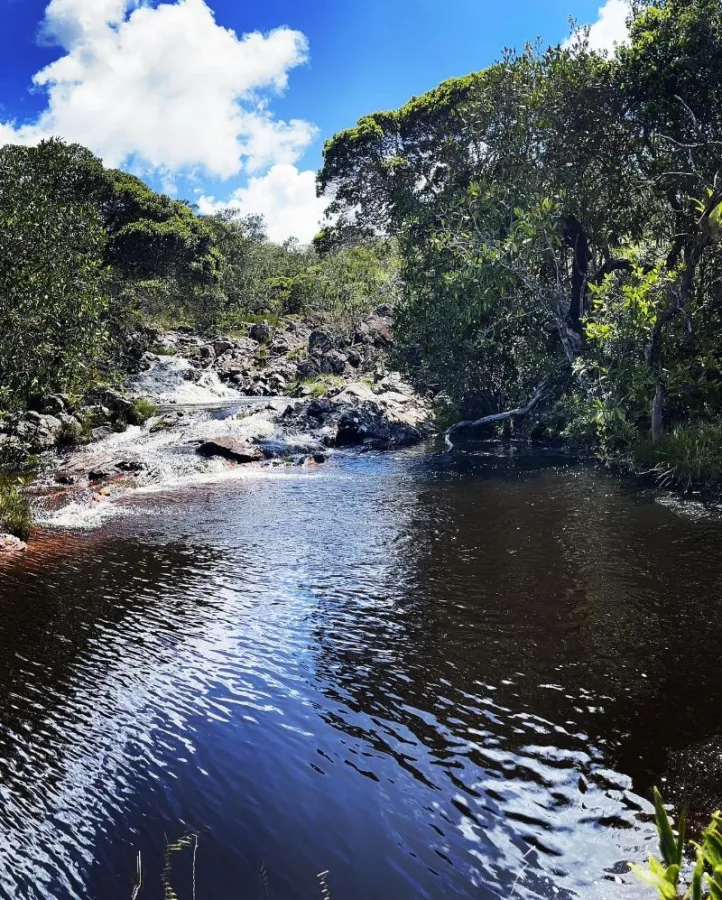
x=227 y=102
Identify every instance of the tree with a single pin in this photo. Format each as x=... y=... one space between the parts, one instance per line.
x=52 y=278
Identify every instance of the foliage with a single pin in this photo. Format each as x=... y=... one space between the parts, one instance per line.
x=52 y=281
x=558 y=217
x=16 y=516
x=664 y=875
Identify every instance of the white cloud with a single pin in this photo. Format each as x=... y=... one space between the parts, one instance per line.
x=610 y=28
x=285 y=197
x=166 y=88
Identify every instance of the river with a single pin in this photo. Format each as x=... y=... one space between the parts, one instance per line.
x=430 y=674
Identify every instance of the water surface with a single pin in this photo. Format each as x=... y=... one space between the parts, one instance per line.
x=433 y=675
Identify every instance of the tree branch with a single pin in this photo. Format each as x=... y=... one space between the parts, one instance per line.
x=518 y=413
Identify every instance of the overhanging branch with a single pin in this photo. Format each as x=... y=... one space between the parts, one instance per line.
x=518 y=413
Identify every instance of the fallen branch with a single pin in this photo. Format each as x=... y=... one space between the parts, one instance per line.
x=517 y=413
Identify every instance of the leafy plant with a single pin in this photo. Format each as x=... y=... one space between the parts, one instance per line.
x=664 y=875
x=16 y=516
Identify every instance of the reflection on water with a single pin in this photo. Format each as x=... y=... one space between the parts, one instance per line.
x=432 y=675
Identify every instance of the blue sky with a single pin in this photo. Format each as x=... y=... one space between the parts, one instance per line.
x=175 y=90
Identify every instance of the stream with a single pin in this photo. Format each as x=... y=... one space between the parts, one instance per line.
x=428 y=674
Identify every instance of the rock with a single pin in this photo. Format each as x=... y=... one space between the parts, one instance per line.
x=368 y=425
x=207 y=354
x=10 y=545
x=98 y=434
x=319 y=409
x=320 y=458
x=260 y=332
x=333 y=363
x=319 y=342
x=52 y=405
x=221 y=346
x=277 y=382
x=66 y=478
x=280 y=346
x=99 y=474
x=129 y=465
x=230 y=448
x=307 y=368
x=354 y=358
x=115 y=403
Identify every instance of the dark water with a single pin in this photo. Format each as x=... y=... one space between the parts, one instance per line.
x=432 y=675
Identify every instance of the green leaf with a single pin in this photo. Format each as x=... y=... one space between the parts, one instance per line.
x=667 y=843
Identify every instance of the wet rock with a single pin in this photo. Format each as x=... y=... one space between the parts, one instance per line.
x=369 y=426
x=99 y=474
x=320 y=458
x=10 y=545
x=319 y=342
x=319 y=409
x=207 y=354
x=118 y=406
x=260 y=332
x=103 y=431
x=129 y=465
x=333 y=363
x=230 y=448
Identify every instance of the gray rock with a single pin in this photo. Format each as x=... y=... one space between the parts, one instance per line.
x=221 y=346
x=333 y=363
x=319 y=342
x=260 y=332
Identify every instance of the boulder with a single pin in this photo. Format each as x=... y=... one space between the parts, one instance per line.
x=354 y=358
x=10 y=545
x=319 y=342
x=307 y=368
x=230 y=448
x=260 y=332
x=221 y=346
x=319 y=409
x=51 y=405
x=367 y=425
x=333 y=363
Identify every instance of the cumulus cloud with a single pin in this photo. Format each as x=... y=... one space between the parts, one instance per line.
x=285 y=197
x=610 y=28
x=166 y=88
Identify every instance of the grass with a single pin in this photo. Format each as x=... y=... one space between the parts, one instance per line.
x=689 y=456
x=16 y=516
x=143 y=409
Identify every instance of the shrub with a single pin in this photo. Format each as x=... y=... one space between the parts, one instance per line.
x=688 y=456
x=16 y=517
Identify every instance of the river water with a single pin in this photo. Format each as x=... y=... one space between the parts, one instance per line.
x=429 y=674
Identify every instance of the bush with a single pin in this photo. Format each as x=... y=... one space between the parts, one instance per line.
x=689 y=456
x=16 y=517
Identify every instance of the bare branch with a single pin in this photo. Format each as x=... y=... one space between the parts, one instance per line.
x=521 y=411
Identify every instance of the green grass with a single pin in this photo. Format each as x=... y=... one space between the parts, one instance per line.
x=143 y=409
x=16 y=516
x=689 y=456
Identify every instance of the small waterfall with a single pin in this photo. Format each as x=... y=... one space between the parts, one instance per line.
x=174 y=380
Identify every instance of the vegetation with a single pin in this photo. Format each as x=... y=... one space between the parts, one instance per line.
x=547 y=230
x=16 y=517
x=666 y=875
x=558 y=224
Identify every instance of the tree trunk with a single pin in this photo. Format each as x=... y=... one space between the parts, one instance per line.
x=658 y=414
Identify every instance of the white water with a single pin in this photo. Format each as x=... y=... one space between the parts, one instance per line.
x=169 y=459
x=165 y=383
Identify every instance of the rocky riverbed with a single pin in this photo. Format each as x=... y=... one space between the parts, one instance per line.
x=226 y=407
